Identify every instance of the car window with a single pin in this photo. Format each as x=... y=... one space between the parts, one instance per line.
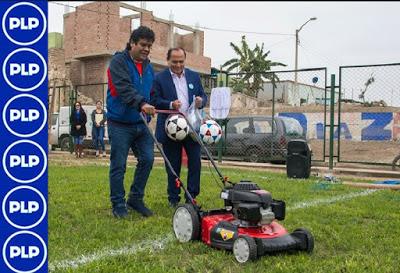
x=238 y=126
x=54 y=118
x=262 y=127
x=292 y=126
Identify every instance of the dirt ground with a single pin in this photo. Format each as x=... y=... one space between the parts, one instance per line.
x=360 y=151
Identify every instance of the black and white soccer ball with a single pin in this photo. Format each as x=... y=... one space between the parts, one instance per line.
x=176 y=127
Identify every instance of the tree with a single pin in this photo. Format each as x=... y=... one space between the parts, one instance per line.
x=254 y=65
x=370 y=80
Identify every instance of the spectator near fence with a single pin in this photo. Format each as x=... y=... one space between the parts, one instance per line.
x=98 y=120
x=78 y=127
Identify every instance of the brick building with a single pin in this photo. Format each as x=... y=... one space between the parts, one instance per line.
x=95 y=31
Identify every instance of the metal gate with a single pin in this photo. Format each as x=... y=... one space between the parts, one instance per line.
x=368 y=117
x=291 y=104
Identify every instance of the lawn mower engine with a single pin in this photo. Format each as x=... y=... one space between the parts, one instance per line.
x=247 y=225
x=251 y=206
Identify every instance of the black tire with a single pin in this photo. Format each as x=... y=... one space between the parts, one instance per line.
x=186 y=217
x=396 y=163
x=253 y=155
x=64 y=143
x=306 y=239
x=244 y=255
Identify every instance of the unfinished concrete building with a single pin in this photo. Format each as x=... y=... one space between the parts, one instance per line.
x=95 y=31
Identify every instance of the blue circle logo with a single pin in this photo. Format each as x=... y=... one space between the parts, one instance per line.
x=24 y=69
x=24 y=23
x=24 y=252
x=24 y=207
x=24 y=161
x=24 y=115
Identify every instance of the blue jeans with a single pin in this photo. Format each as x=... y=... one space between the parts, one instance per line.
x=98 y=136
x=78 y=139
x=137 y=138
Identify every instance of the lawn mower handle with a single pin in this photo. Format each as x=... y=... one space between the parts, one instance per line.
x=177 y=178
x=198 y=140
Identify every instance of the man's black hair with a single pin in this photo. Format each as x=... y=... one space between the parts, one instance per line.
x=141 y=32
x=174 y=49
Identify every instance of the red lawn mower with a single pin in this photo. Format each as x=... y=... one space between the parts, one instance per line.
x=248 y=223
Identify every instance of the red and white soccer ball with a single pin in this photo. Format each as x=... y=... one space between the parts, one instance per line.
x=176 y=127
x=210 y=132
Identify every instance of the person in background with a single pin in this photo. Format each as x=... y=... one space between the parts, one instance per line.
x=78 y=121
x=98 y=120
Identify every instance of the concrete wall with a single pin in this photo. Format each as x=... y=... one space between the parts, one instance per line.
x=90 y=33
x=356 y=126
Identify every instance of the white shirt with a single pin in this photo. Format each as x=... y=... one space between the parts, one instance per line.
x=181 y=90
x=220 y=102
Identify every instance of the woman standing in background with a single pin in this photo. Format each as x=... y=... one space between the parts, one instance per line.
x=99 y=119
x=78 y=127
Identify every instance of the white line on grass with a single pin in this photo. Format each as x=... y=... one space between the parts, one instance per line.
x=159 y=244
x=335 y=199
x=147 y=245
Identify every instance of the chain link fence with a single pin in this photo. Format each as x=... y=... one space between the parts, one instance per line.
x=369 y=114
x=62 y=105
x=264 y=117
x=285 y=105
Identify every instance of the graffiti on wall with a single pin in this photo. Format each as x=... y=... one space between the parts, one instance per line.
x=358 y=126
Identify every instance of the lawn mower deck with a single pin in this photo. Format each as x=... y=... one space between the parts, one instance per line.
x=247 y=225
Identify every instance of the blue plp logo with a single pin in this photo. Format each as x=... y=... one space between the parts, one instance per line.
x=24 y=207
x=24 y=23
x=24 y=161
x=24 y=115
x=24 y=251
x=23 y=144
x=24 y=69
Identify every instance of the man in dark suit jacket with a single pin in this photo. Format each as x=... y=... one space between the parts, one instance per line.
x=175 y=88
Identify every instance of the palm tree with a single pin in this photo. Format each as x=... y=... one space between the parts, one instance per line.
x=370 y=80
x=254 y=65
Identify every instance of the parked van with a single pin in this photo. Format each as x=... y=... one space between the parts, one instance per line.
x=60 y=129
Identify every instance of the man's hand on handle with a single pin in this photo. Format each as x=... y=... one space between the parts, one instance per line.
x=198 y=102
x=176 y=104
x=148 y=109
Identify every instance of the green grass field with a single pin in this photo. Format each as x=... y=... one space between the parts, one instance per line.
x=356 y=234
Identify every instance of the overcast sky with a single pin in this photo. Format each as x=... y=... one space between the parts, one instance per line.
x=345 y=33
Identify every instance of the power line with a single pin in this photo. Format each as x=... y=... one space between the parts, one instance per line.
x=326 y=58
x=85 y=9
x=245 y=31
x=279 y=42
x=200 y=27
x=307 y=57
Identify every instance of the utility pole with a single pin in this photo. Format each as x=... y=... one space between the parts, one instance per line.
x=297 y=48
x=296 y=56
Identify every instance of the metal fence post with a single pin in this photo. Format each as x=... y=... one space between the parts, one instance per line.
x=273 y=114
x=72 y=100
x=332 y=121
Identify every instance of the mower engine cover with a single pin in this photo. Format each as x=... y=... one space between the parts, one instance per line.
x=251 y=204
